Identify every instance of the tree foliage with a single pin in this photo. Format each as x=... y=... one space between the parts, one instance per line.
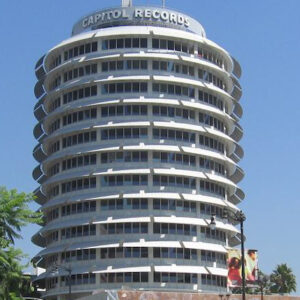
x=14 y=214
x=283 y=281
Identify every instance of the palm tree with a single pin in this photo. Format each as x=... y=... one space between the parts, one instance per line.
x=283 y=281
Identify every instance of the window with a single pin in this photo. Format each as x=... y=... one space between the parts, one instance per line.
x=211 y=143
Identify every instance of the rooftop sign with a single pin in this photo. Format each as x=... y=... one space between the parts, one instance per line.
x=151 y=16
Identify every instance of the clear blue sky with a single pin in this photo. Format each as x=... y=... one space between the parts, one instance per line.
x=262 y=35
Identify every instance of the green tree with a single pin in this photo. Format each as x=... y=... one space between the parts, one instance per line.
x=11 y=273
x=14 y=214
x=283 y=281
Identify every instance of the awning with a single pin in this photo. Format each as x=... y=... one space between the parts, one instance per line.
x=204 y=246
x=123 y=270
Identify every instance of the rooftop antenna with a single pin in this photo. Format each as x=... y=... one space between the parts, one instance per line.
x=163 y=3
x=126 y=3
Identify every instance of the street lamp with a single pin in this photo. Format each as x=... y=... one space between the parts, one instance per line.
x=69 y=270
x=239 y=217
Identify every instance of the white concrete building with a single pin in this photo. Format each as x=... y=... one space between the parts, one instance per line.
x=137 y=147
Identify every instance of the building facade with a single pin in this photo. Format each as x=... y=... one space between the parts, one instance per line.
x=138 y=130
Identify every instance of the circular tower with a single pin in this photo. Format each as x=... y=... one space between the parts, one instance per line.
x=137 y=147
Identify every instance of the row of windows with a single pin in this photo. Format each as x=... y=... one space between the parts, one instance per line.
x=210 y=99
x=90 y=278
x=54 y=170
x=124 y=110
x=121 y=180
x=80 y=72
x=178 y=253
x=124 y=228
x=124 y=65
x=124 y=133
x=213 y=234
x=211 y=121
x=187 y=70
x=172 y=45
x=52 y=214
x=54 y=126
x=78 y=231
x=79 y=116
x=171 y=134
x=211 y=256
x=55 y=83
x=209 y=209
x=178 y=229
x=80 y=50
x=139 y=43
x=209 y=77
x=211 y=165
x=132 y=87
x=214 y=280
x=124 y=43
x=79 y=184
x=169 y=111
x=117 y=204
x=79 y=161
x=80 y=138
x=137 y=228
x=139 y=252
x=137 y=156
x=175 y=277
x=77 y=255
x=211 y=143
x=142 y=252
x=124 y=252
x=171 y=66
x=54 y=104
x=170 y=204
x=213 y=188
x=172 y=89
x=78 y=208
x=135 y=204
x=169 y=157
x=124 y=277
x=176 y=181
x=54 y=147
x=86 y=92
x=124 y=156
x=127 y=87
x=79 y=279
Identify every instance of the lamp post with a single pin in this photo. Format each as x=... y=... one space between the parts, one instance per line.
x=69 y=270
x=239 y=217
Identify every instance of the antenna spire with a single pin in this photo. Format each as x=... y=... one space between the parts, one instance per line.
x=163 y=3
x=126 y=3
